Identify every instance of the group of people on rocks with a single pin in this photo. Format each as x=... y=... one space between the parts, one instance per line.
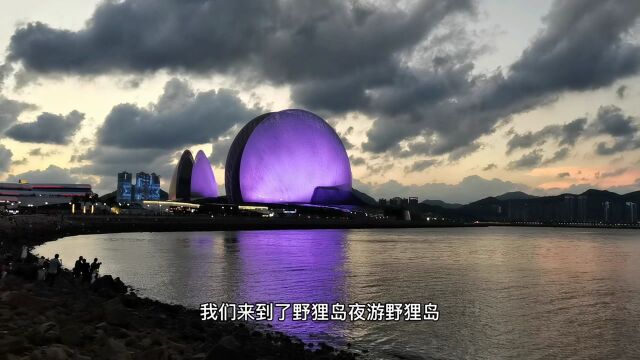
x=84 y=271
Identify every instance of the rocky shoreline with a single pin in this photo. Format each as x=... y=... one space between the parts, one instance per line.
x=106 y=320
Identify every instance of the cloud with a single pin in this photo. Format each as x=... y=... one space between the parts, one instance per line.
x=527 y=161
x=620 y=91
x=47 y=129
x=356 y=160
x=10 y=110
x=180 y=117
x=490 y=167
x=39 y=152
x=52 y=174
x=613 y=173
x=421 y=165
x=566 y=134
x=22 y=161
x=563 y=175
x=559 y=155
x=471 y=188
x=624 y=130
x=5 y=158
x=385 y=61
x=582 y=47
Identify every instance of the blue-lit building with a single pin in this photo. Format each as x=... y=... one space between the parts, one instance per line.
x=154 y=187
x=141 y=191
x=146 y=187
x=123 y=193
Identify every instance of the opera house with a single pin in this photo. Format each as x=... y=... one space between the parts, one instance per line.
x=285 y=157
x=193 y=179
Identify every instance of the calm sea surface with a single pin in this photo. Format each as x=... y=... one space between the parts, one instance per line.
x=502 y=292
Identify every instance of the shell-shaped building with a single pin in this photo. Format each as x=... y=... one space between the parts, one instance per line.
x=203 y=182
x=193 y=179
x=290 y=156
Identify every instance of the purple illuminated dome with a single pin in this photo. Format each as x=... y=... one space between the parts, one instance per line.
x=203 y=182
x=193 y=179
x=290 y=156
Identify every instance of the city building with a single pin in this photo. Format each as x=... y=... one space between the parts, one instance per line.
x=146 y=187
x=631 y=211
x=123 y=193
x=290 y=156
x=413 y=201
x=24 y=194
x=382 y=202
x=154 y=187
x=141 y=191
x=193 y=179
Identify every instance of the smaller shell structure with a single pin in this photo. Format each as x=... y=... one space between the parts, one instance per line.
x=203 y=182
x=193 y=179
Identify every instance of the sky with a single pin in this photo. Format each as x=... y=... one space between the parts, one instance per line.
x=451 y=100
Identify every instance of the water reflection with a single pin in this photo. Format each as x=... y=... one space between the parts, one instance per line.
x=291 y=267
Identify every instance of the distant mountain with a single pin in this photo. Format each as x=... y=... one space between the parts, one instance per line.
x=515 y=195
x=442 y=204
x=364 y=198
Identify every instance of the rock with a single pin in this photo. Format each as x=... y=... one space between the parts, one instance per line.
x=227 y=348
x=11 y=282
x=116 y=350
x=22 y=299
x=49 y=332
x=106 y=285
x=54 y=352
x=71 y=335
x=12 y=345
x=115 y=313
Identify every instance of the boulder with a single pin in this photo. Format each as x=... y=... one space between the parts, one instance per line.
x=227 y=348
x=12 y=345
x=22 y=299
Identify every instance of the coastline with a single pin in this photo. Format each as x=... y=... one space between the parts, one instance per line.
x=108 y=321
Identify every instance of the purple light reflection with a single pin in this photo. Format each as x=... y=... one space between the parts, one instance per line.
x=294 y=266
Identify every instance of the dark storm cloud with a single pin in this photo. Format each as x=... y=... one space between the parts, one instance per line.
x=280 y=40
x=527 y=161
x=621 y=91
x=623 y=129
x=582 y=47
x=47 y=129
x=107 y=161
x=386 y=62
x=566 y=134
x=421 y=165
x=10 y=110
x=180 y=117
x=5 y=158
x=612 y=121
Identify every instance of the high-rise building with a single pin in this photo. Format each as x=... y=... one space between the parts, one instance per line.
x=143 y=180
x=606 y=211
x=631 y=210
x=413 y=201
x=382 y=202
x=154 y=187
x=123 y=193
